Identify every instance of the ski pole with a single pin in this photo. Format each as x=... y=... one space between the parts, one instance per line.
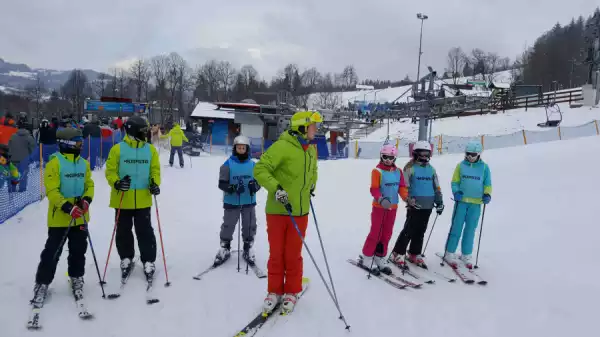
x=480 y=232
x=239 y=227
x=377 y=248
x=323 y=249
x=449 y=231
x=87 y=229
x=103 y=281
x=62 y=241
x=162 y=246
x=429 y=237
x=288 y=207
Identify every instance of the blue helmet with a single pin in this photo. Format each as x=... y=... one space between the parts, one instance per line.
x=474 y=147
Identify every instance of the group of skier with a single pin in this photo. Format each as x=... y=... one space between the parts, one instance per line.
x=133 y=173
x=418 y=185
x=288 y=171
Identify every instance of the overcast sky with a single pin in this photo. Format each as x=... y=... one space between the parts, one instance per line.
x=380 y=37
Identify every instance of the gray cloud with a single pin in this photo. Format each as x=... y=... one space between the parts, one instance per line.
x=379 y=37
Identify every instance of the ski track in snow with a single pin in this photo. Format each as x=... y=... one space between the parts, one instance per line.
x=539 y=226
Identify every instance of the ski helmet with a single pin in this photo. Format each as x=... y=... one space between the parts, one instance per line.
x=301 y=120
x=70 y=140
x=473 y=151
x=241 y=140
x=137 y=128
x=388 y=154
x=422 y=151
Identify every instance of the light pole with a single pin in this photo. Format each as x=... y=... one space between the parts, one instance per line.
x=422 y=118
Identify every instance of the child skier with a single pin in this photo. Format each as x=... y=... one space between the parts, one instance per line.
x=387 y=182
x=236 y=180
x=70 y=189
x=8 y=171
x=471 y=186
x=424 y=193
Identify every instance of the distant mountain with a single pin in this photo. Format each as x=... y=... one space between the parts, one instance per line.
x=18 y=76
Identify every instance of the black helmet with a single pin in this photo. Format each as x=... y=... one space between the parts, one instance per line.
x=70 y=140
x=136 y=127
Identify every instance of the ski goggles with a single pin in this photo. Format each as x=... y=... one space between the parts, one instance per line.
x=386 y=157
x=472 y=155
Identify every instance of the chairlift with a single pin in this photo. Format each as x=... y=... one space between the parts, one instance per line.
x=553 y=116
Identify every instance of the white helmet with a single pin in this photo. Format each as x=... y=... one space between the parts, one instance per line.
x=422 y=145
x=418 y=154
x=241 y=140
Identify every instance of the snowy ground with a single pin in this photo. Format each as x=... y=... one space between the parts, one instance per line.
x=499 y=124
x=535 y=288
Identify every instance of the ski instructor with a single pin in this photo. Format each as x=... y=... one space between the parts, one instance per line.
x=288 y=171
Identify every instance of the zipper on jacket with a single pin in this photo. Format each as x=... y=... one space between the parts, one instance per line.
x=303 y=183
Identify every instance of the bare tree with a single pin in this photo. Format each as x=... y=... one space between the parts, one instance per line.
x=36 y=92
x=310 y=79
x=479 y=62
x=160 y=65
x=349 y=77
x=122 y=81
x=226 y=73
x=139 y=70
x=99 y=84
x=208 y=75
x=456 y=63
x=492 y=65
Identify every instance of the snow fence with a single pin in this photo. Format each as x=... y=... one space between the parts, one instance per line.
x=13 y=198
x=444 y=144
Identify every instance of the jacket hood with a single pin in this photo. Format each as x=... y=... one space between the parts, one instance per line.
x=22 y=133
x=292 y=139
x=133 y=142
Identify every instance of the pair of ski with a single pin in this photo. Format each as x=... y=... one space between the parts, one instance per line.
x=252 y=265
x=424 y=274
x=468 y=276
x=150 y=298
x=38 y=302
x=391 y=279
x=259 y=321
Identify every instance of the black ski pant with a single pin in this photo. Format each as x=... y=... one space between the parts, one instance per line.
x=413 y=231
x=141 y=221
x=77 y=244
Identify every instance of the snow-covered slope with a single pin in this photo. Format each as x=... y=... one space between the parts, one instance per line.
x=498 y=124
x=539 y=241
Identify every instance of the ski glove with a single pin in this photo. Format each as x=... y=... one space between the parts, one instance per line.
x=84 y=204
x=458 y=196
x=154 y=189
x=123 y=184
x=74 y=211
x=312 y=190
x=412 y=202
x=281 y=196
x=486 y=198
x=385 y=203
x=253 y=187
x=439 y=208
x=231 y=189
x=240 y=188
x=15 y=182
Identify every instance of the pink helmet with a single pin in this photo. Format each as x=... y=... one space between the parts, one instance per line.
x=389 y=150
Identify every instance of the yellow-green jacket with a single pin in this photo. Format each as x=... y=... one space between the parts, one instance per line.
x=177 y=136
x=133 y=199
x=293 y=166
x=56 y=217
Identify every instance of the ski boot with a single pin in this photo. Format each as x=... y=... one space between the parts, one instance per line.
x=451 y=259
x=369 y=263
x=248 y=254
x=467 y=259
x=40 y=292
x=289 y=302
x=271 y=302
x=398 y=260
x=223 y=254
x=149 y=269
x=77 y=287
x=418 y=260
x=181 y=165
x=382 y=264
x=126 y=268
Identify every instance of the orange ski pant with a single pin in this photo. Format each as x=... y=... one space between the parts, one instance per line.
x=285 y=253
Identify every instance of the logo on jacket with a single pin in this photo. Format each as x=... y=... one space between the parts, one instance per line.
x=470 y=177
x=391 y=184
x=241 y=177
x=424 y=178
x=75 y=175
x=136 y=161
